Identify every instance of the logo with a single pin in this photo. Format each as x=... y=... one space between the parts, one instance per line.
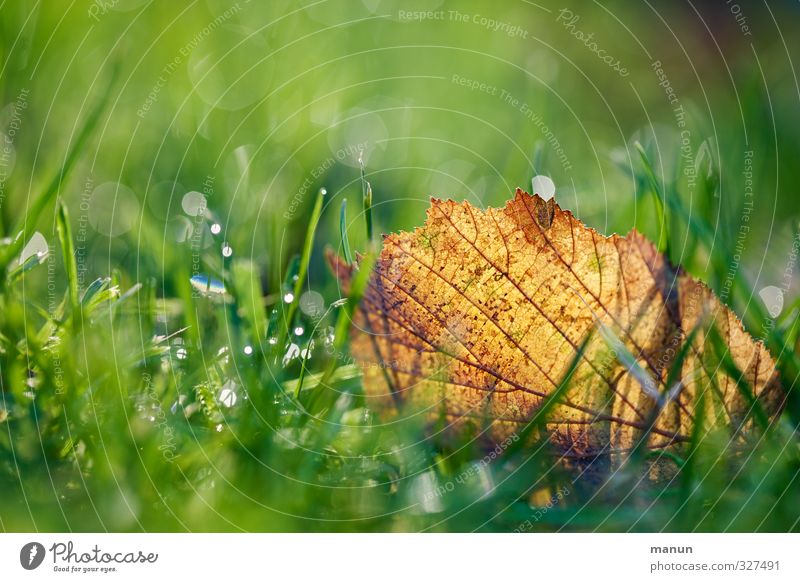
x=31 y=555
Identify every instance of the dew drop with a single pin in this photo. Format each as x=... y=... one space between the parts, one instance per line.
x=298 y=330
x=177 y=404
x=288 y=298
x=227 y=251
x=543 y=186
x=773 y=300
x=216 y=228
x=207 y=285
x=227 y=395
x=37 y=247
x=248 y=350
x=181 y=353
x=291 y=353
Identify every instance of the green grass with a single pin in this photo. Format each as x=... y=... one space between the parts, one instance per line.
x=131 y=400
x=299 y=451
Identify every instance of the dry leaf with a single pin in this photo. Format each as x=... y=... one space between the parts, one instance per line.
x=476 y=316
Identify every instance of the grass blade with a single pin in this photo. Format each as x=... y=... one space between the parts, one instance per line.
x=348 y=256
x=302 y=271
x=319 y=398
x=663 y=237
x=729 y=367
x=70 y=264
x=368 y=210
x=540 y=417
x=247 y=288
x=673 y=384
x=366 y=197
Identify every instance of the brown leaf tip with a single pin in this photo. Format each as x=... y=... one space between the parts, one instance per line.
x=340 y=268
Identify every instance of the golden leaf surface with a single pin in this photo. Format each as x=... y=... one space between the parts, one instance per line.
x=476 y=316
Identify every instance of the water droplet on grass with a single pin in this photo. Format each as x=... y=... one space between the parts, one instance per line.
x=37 y=247
x=227 y=251
x=216 y=228
x=773 y=300
x=288 y=298
x=177 y=404
x=227 y=395
x=207 y=285
x=291 y=353
x=543 y=186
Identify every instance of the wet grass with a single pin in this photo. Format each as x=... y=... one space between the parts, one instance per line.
x=258 y=423
x=150 y=382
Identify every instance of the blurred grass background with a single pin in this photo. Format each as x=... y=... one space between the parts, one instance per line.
x=150 y=402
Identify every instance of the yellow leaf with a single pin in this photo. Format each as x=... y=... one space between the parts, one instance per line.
x=476 y=316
